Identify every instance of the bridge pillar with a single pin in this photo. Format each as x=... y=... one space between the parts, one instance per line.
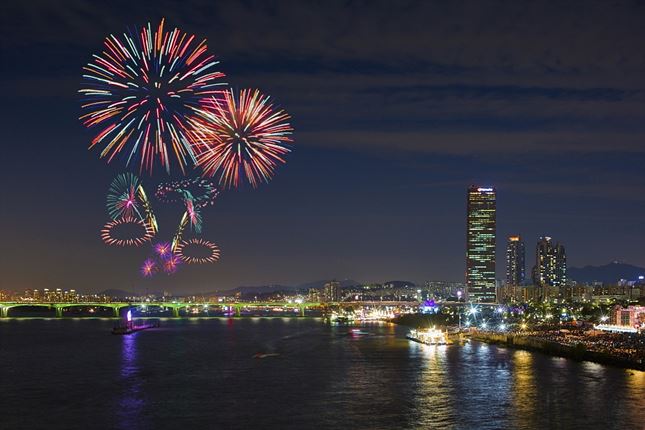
x=4 y=312
x=238 y=311
x=175 y=311
x=302 y=310
x=59 y=311
x=116 y=311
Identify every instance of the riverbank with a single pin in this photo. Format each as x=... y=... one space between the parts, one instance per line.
x=578 y=352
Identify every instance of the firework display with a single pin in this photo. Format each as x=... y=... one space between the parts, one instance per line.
x=241 y=137
x=140 y=89
x=127 y=198
x=147 y=207
x=177 y=238
x=157 y=101
x=122 y=198
x=211 y=255
x=162 y=249
x=149 y=268
x=171 y=264
x=194 y=216
x=146 y=235
x=201 y=191
x=162 y=260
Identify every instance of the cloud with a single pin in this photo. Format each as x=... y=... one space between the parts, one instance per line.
x=477 y=142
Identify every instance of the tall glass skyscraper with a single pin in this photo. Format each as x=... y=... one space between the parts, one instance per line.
x=515 y=266
x=480 y=244
x=550 y=264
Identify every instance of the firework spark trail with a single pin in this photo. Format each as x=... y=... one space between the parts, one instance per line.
x=201 y=191
x=194 y=216
x=176 y=240
x=147 y=207
x=139 y=91
x=241 y=137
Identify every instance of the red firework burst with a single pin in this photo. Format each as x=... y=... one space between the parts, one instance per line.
x=241 y=137
x=139 y=91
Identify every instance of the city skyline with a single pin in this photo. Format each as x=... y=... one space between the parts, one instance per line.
x=294 y=214
x=369 y=194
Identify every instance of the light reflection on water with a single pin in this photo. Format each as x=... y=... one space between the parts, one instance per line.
x=131 y=400
x=523 y=389
x=64 y=374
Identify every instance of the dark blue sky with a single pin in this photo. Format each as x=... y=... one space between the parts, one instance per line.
x=397 y=106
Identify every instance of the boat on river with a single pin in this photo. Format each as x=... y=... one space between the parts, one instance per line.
x=128 y=326
x=430 y=336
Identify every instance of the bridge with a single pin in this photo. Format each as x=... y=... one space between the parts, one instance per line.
x=234 y=308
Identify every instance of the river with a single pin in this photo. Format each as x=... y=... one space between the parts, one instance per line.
x=201 y=373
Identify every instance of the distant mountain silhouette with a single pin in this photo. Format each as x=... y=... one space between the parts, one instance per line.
x=276 y=287
x=320 y=284
x=609 y=273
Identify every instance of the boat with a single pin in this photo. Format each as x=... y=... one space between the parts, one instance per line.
x=340 y=319
x=430 y=336
x=128 y=326
x=265 y=354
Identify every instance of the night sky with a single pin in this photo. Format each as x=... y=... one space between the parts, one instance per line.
x=397 y=107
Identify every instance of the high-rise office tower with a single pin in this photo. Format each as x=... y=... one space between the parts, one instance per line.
x=550 y=264
x=331 y=291
x=480 y=244
x=515 y=261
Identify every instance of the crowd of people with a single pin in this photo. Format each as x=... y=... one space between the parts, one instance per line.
x=629 y=346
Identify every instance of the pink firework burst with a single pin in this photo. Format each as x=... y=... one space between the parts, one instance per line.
x=149 y=268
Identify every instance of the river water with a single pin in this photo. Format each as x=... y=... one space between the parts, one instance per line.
x=201 y=373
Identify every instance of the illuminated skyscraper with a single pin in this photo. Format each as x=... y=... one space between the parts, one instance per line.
x=550 y=264
x=480 y=244
x=331 y=292
x=515 y=271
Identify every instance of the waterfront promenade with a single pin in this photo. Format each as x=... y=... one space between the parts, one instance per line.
x=614 y=349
